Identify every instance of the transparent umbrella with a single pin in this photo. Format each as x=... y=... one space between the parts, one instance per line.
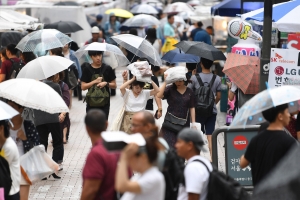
x=141 y=20
x=139 y=46
x=112 y=56
x=43 y=40
x=251 y=111
x=33 y=94
x=44 y=67
x=144 y=9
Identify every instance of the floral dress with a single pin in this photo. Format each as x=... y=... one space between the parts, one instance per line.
x=179 y=106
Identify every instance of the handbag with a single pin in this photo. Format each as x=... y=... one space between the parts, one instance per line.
x=174 y=123
x=72 y=80
x=116 y=125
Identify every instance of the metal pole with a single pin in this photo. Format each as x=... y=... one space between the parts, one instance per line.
x=266 y=45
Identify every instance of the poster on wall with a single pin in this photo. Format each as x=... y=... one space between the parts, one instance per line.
x=284 y=68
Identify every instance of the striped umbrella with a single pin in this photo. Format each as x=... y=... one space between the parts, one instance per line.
x=284 y=17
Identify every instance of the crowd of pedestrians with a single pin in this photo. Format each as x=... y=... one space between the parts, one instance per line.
x=135 y=172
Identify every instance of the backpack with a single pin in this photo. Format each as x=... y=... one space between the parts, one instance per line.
x=222 y=186
x=5 y=179
x=97 y=97
x=72 y=77
x=173 y=174
x=15 y=69
x=205 y=98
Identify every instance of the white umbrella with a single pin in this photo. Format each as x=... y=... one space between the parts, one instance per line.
x=139 y=46
x=43 y=67
x=112 y=56
x=251 y=111
x=33 y=94
x=43 y=40
x=144 y=9
x=141 y=20
x=6 y=111
x=16 y=17
x=178 y=7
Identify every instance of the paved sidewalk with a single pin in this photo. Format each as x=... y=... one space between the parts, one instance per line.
x=69 y=187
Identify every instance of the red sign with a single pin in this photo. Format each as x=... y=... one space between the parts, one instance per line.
x=279 y=70
x=293 y=41
x=240 y=142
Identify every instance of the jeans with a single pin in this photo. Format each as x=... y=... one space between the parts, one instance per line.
x=57 y=136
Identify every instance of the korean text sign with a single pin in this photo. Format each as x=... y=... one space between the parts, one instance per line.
x=284 y=68
x=236 y=145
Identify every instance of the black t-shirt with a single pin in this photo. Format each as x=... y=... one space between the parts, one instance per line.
x=148 y=86
x=108 y=73
x=265 y=150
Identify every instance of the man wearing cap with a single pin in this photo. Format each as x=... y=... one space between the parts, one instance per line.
x=95 y=36
x=98 y=23
x=189 y=145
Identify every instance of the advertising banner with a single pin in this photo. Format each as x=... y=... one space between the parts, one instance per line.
x=284 y=68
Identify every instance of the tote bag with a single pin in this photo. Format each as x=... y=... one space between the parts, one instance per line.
x=116 y=125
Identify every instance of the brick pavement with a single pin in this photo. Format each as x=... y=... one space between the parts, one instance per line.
x=69 y=187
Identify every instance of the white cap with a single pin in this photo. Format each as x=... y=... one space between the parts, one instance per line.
x=95 y=29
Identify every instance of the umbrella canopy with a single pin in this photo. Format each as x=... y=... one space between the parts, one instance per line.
x=33 y=94
x=119 y=12
x=112 y=56
x=64 y=26
x=201 y=49
x=178 y=7
x=144 y=9
x=16 y=17
x=175 y=57
x=284 y=15
x=139 y=46
x=43 y=67
x=43 y=40
x=141 y=20
x=251 y=112
x=230 y=8
x=6 y=111
x=243 y=71
x=66 y=3
x=283 y=181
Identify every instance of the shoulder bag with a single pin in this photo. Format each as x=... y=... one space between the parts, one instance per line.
x=116 y=125
x=174 y=123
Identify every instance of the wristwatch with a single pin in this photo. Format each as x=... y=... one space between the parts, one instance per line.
x=159 y=109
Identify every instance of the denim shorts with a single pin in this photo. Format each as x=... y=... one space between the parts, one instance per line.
x=207 y=123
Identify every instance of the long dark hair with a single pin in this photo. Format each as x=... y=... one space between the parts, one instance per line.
x=151 y=35
x=28 y=56
x=5 y=124
x=57 y=51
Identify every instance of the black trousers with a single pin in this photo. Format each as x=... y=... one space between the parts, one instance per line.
x=57 y=136
x=105 y=109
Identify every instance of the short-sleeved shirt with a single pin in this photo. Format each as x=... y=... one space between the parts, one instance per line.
x=196 y=178
x=136 y=104
x=108 y=73
x=152 y=184
x=194 y=31
x=265 y=150
x=148 y=86
x=206 y=78
x=11 y=153
x=101 y=164
x=6 y=67
x=169 y=30
x=202 y=36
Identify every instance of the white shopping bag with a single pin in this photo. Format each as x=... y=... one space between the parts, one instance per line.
x=198 y=127
x=38 y=164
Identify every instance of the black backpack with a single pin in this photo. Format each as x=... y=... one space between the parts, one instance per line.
x=72 y=77
x=205 y=98
x=173 y=174
x=15 y=69
x=222 y=186
x=5 y=179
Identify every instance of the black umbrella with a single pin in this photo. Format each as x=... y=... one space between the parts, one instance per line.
x=64 y=26
x=66 y=3
x=283 y=182
x=201 y=49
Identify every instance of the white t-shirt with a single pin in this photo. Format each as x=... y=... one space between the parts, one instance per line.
x=152 y=185
x=136 y=104
x=11 y=154
x=67 y=55
x=196 y=178
x=19 y=142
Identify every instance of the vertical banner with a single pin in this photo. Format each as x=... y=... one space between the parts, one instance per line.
x=284 y=68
